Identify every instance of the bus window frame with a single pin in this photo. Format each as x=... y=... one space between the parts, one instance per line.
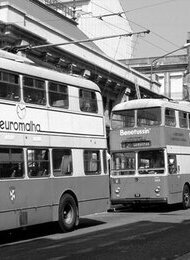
x=122 y=120
x=28 y=93
x=183 y=118
x=11 y=96
x=151 y=170
x=172 y=167
x=146 y=120
x=98 y=162
x=170 y=123
x=59 y=103
x=124 y=171
x=88 y=104
x=16 y=166
x=35 y=164
x=60 y=172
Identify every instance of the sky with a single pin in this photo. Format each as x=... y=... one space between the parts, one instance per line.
x=167 y=20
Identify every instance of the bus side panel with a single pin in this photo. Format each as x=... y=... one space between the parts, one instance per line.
x=92 y=193
x=39 y=202
x=174 y=188
x=26 y=202
x=177 y=181
x=69 y=123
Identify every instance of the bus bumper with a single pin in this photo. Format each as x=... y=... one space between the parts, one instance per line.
x=139 y=201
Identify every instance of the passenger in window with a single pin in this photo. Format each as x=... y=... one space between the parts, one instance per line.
x=85 y=105
x=172 y=166
x=66 y=167
x=16 y=170
x=11 y=95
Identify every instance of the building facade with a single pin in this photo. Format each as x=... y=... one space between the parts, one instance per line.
x=93 y=18
x=169 y=71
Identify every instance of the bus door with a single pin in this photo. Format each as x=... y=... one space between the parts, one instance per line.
x=174 y=178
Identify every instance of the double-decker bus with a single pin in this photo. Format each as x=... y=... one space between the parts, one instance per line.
x=150 y=152
x=53 y=163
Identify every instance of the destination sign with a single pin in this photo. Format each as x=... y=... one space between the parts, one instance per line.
x=135 y=144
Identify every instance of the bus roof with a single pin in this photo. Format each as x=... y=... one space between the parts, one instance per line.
x=24 y=66
x=148 y=103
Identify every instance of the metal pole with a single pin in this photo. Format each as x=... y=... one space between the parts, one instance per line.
x=29 y=47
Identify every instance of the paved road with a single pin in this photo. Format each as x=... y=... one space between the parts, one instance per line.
x=124 y=234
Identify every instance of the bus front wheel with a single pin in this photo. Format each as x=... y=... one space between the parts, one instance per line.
x=68 y=213
x=186 y=197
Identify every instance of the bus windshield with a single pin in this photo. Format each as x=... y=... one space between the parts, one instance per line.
x=122 y=119
x=123 y=163
x=151 y=162
x=149 y=116
x=145 y=117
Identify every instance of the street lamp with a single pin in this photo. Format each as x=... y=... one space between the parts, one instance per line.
x=160 y=57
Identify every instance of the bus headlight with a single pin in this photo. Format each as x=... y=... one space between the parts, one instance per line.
x=157 y=190
x=117 y=191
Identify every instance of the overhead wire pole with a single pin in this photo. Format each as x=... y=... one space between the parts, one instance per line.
x=163 y=56
x=30 y=47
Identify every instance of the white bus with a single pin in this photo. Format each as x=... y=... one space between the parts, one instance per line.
x=150 y=152
x=53 y=163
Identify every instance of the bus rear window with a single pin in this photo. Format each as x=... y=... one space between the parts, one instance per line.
x=149 y=116
x=9 y=86
x=123 y=119
x=123 y=164
x=88 y=101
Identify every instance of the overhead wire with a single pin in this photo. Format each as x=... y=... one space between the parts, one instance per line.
x=135 y=9
x=139 y=8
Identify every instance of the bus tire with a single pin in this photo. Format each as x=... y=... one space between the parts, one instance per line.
x=68 y=213
x=186 y=197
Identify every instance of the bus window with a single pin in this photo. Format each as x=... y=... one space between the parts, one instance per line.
x=34 y=91
x=38 y=162
x=182 y=119
x=123 y=163
x=170 y=119
x=149 y=117
x=151 y=162
x=172 y=164
x=58 y=95
x=88 y=101
x=123 y=119
x=11 y=163
x=9 y=86
x=62 y=162
x=92 y=164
